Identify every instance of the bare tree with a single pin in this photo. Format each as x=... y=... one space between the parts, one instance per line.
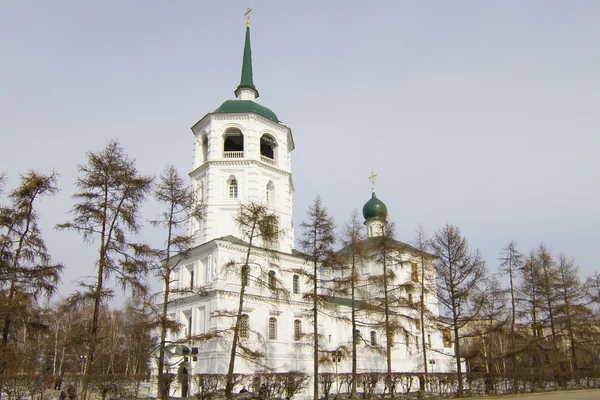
x=386 y=252
x=107 y=209
x=493 y=320
x=511 y=262
x=318 y=238
x=426 y=287
x=459 y=270
x=353 y=255
x=180 y=207
x=571 y=309
x=26 y=267
x=548 y=277
x=256 y=222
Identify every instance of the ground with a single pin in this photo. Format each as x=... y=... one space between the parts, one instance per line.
x=562 y=395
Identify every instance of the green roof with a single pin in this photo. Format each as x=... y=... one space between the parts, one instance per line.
x=374 y=209
x=246 y=106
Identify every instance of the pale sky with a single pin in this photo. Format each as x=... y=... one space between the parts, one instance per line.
x=483 y=114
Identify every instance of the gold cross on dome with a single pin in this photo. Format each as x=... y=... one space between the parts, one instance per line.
x=247 y=14
x=372 y=178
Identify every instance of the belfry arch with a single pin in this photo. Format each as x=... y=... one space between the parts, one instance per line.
x=268 y=147
x=233 y=143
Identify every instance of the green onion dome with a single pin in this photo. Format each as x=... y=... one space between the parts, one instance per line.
x=374 y=209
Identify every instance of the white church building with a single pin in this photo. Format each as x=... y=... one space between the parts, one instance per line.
x=243 y=153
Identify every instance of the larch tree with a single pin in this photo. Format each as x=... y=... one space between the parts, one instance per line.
x=548 y=276
x=459 y=270
x=259 y=225
x=353 y=255
x=180 y=208
x=530 y=306
x=110 y=192
x=318 y=238
x=426 y=288
x=571 y=309
x=386 y=252
x=27 y=269
x=511 y=262
x=493 y=317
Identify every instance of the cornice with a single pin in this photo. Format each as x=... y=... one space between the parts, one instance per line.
x=241 y=163
x=280 y=258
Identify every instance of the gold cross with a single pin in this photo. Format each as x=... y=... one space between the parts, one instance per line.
x=247 y=14
x=372 y=178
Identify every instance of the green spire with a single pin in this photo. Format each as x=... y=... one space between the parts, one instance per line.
x=247 y=81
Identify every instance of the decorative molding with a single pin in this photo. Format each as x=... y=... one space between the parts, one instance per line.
x=238 y=162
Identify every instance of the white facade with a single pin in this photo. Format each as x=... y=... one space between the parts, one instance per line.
x=241 y=157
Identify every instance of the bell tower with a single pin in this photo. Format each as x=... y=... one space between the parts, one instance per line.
x=242 y=153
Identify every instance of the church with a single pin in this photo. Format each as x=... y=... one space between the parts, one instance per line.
x=243 y=153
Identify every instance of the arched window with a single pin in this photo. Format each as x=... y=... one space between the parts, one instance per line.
x=233 y=144
x=296 y=284
x=272 y=328
x=272 y=280
x=232 y=187
x=373 y=338
x=205 y=148
x=244 y=325
x=297 y=330
x=270 y=192
x=268 y=146
x=269 y=230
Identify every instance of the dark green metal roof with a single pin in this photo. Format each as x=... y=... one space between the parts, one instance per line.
x=246 y=106
x=247 y=79
x=374 y=209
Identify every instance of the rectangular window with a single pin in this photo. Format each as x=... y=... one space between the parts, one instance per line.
x=272 y=328
x=297 y=330
x=244 y=328
x=414 y=273
x=447 y=339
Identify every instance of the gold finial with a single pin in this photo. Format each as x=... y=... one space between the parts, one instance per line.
x=372 y=178
x=247 y=14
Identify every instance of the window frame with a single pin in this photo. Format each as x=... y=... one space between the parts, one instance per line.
x=272 y=331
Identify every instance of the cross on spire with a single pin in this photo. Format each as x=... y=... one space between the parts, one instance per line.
x=372 y=178
x=247 y=14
